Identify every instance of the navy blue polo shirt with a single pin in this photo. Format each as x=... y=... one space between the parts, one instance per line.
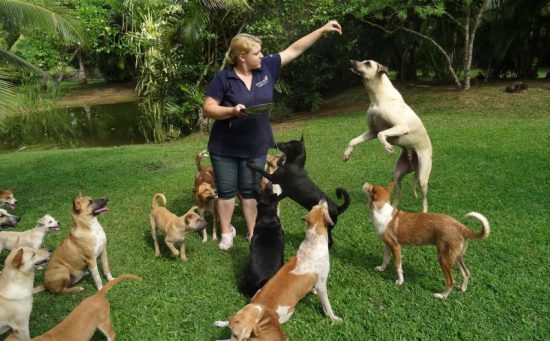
x=246 y=137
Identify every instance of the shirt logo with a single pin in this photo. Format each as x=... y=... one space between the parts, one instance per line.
x=262 y=82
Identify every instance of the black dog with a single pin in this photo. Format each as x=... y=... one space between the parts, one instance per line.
x=267 y=244
x=296 y=184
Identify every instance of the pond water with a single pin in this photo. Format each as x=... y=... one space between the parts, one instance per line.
x=106 y=124
x=88 y=126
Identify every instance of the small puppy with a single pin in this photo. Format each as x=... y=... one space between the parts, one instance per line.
x=16 y=283
x=206 y=194
x=304 y=272
x=174 y=227
x=91 y=314
x=78 y=252
x=7 y=199
x=296 y=183
x=397 y=228
x=393 y=122
x=267 y=244
x=8 y=220
x=31 y=238
x=254 y=322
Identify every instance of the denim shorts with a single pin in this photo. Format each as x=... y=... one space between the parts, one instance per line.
x=233 y=175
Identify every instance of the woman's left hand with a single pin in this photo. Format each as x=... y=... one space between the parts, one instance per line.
x=331 y=26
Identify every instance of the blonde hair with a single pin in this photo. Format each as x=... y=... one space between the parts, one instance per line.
x=241 y=43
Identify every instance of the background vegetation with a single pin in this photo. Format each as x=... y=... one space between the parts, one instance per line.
x=172 y=48
x=490 y=155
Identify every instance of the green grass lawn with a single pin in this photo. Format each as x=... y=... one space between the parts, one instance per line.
x=491 y=155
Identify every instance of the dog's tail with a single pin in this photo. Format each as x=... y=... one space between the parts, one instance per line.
x=110 y=284
x=340 y=192
x=198 y=159
x=469 y=234
x=156 y=198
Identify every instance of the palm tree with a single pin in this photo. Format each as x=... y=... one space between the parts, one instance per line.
x=25 y=15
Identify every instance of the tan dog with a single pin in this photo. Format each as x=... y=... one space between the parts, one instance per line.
x=16 y=282
x=91 y=314
x=7 y=198
x=306 y=271
x=254 y=322
x=78 y=252
x=174 y=227
x=8 y=220
x=393 y=122
x=206 y=194
x=397 y=228
x=31 y=238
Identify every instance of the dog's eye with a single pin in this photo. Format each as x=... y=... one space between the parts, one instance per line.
x=1 y=215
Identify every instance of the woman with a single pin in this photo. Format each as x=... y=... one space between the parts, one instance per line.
x=237 y=137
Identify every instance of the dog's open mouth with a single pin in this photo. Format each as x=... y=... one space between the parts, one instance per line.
x=100 y=210
x=11 y=206
x=42 y=262
x=54 y=228
x=356 y=72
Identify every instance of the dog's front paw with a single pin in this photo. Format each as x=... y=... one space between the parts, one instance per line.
x=441 y=296
x=400 y=281
x=389 y=148
x=80 y=289
x=380 y=268
x=109 y=277
x=336 y=319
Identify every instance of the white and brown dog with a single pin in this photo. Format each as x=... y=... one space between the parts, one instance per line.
x=31 y=238
x=206 y=194
x=304 y=272
x=175 y=228
x=8 y=220
x=77 y=254
x=7 y=199
x=397 y=228
x=254 y=322
x=16 y=282
x=393 y=122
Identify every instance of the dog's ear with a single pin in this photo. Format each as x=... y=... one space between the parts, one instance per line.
x=76 y=204
x=302 y=138
x=18 y=259
x=256 y=329
x=382 y=68
x=195 y=190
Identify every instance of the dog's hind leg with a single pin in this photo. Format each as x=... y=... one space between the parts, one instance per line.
x=106 y=327
x=445 y=257
x=403 y=166
x=204 y=233
x=154 y=235
x=423 y=175
x=463 y=269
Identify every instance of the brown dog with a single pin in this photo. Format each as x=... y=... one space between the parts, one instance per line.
x=174 y=227
x=7 y=198
x=304 y=272
x=254 y=322
x=205 y=192
x=78 y=252
x=397 y=228
x=92 y=313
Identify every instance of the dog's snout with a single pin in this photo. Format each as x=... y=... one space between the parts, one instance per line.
x=17 y=218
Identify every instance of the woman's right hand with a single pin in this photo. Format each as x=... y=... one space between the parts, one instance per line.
x=238 y=110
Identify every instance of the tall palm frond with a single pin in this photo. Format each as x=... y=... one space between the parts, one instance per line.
x=224 y=4
x=47 y=15
x=15 y=60
x=9 y=96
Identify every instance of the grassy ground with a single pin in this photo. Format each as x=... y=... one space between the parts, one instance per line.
x=490 y=155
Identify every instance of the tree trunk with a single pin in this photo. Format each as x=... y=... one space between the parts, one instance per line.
x=469 y=47
x=82 y=79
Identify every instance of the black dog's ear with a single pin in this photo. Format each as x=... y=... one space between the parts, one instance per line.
x=382 y=68
x=302 y=138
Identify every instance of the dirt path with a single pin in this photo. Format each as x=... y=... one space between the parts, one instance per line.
x=93 y=94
